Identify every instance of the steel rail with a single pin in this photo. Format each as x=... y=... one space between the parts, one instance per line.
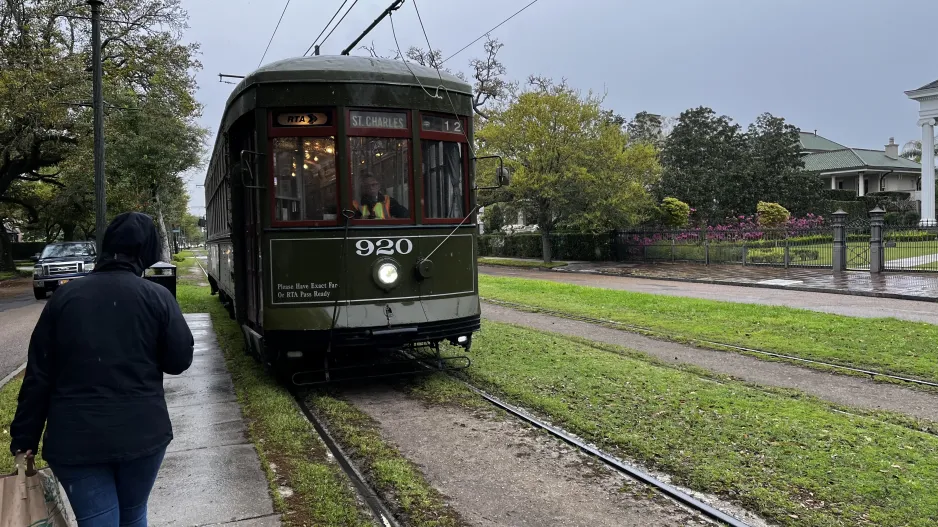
x=612 y=461
x=641 y=329
x=380 y=511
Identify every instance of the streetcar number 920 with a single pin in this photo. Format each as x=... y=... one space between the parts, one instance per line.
x=384 y=247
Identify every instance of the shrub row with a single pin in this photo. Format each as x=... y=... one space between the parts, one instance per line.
x=591 y=247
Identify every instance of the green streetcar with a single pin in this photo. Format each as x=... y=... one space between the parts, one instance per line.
x=341 y=217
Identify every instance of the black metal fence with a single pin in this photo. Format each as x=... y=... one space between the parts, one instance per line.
x=780 y=247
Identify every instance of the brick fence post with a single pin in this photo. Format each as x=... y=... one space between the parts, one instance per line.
x=839 y=259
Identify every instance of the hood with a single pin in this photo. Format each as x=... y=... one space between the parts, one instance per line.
x=130 y=241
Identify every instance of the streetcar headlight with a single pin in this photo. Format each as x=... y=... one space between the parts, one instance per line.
x=387 y=273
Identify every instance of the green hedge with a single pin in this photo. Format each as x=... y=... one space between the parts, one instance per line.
x=590 y=247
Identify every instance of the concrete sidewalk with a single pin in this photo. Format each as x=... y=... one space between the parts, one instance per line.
x=211 y=474
x=906 y=286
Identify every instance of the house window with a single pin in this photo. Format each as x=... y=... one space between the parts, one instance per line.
x=882 y=183
x=840 y=185
x=918 y=184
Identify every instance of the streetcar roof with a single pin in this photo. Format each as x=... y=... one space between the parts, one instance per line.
x=352 y=69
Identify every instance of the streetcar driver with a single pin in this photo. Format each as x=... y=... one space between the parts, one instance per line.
x=376 y=205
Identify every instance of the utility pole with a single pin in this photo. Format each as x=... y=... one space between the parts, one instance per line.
x=98 y=103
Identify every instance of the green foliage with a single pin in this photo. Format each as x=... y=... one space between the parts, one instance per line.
x=772 y=214
x=645 y=128
x=774 y=255
x=572 y=164
x=711 y=164
x=494 y=218
x=591 y=247
x=674 y=212
x=840 y=195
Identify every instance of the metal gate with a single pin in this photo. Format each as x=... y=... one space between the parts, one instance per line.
x=858 y=245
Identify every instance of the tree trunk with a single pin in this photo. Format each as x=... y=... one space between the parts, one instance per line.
x=6 y=251
x=165 y=254
x=546 y=246
x=68 y=232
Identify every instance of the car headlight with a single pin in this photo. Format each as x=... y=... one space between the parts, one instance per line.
x=89 y=267
x=37 y=270
x=386 y=273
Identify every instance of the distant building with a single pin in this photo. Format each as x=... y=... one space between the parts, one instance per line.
x=861 y=170
x=12 y=233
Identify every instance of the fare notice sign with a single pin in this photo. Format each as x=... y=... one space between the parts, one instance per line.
x=303 y=119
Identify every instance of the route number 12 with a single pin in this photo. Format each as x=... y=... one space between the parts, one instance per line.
x=384 y=247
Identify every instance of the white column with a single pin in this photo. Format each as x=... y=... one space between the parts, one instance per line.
x=928 y=172
x=833 y=182
x=860 y=185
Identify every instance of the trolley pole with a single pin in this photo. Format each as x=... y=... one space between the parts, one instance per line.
x=98 y=103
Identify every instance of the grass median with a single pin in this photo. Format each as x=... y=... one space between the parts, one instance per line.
x=884 y=344
x=789 y=457
x=285 y=441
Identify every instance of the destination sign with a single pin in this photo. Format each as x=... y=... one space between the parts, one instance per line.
x=392 y=120
x=303 y=119
x=442 y=124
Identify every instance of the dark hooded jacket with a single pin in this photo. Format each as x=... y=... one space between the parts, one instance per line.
x=97 y=356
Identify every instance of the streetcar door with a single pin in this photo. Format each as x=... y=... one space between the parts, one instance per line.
x=252 y=228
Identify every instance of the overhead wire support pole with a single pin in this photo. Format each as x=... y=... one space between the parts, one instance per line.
x=100 y=197
x=395 y=5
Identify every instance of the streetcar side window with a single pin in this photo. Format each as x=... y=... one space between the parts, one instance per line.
x=304 y=172
x=443 y=179
x=380 y=177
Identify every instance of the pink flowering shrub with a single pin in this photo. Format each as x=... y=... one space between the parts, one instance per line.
x=742 y=228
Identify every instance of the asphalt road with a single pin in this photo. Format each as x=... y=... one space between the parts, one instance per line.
x=854 y=306
x=19 y=312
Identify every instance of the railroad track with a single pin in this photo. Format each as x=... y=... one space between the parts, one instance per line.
x=708 y=343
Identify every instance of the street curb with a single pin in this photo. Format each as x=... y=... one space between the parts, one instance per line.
x=14 y=373
x=873 y=294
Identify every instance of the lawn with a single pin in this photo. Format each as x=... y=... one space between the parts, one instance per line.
x=884 y=344
x=10 y=275
x=789 y=457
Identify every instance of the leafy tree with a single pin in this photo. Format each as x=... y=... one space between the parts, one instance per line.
x=494 y=218
x=45 y=122
x=913 y=149
x=645 y=128
x=710 y=163
x=572 y=166
x=701 y=162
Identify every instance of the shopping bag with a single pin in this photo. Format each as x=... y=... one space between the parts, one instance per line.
x=30 y=497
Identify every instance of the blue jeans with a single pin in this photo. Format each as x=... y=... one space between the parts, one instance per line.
x=110 y=494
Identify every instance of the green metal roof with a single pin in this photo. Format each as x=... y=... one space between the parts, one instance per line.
x=813 y=142
x=351 y=69
x=856 y=159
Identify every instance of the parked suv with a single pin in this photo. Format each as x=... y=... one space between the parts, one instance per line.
x=59 y=263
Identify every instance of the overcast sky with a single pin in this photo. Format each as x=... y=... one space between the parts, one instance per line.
x=837 y=66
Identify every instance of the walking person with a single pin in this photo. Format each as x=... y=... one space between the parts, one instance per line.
x=94 y=379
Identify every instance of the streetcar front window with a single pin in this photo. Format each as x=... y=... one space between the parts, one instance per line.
x=304 y=178
x=443 y=180
x=380 y=177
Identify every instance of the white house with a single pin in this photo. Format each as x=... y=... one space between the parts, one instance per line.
x=927 y=98
x=861 y=170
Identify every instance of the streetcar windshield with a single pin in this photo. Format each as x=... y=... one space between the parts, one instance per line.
x=305 y=178
x=380 y=177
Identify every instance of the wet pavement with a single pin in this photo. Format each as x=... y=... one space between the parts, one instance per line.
x=910 y=286
x=211 y=474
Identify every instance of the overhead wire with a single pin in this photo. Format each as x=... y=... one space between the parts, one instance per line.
x=274 y=33
x=311 y=46
x=489 y=31
x=338 y=23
